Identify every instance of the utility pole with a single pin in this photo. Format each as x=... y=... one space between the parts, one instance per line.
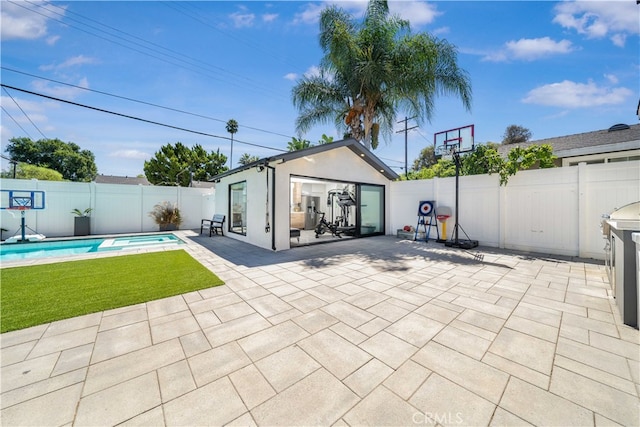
x=406 y=132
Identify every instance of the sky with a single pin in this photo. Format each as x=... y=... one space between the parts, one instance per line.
x=555 y=68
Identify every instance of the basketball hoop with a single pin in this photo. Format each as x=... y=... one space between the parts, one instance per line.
x=18 y=208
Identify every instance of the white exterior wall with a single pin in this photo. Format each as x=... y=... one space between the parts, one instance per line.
x=256 y=204
x=555 y=211
x=340 y=164
x=116 y=208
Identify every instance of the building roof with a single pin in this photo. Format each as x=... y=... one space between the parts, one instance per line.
x=349 y=143
x=128 y=180
x=113 y=179
x=617 y=138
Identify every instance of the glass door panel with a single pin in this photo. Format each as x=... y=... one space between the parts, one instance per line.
x=371 y=204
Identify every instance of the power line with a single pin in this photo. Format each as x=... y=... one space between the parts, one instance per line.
x=140 y=102
x=14 y=121
x=138 y=118
x=425 y=138
x=256 y=86
x=183 y=7
x=23 y=112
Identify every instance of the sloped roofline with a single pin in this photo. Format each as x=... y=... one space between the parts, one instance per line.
x=599 y=141
x=350 y=143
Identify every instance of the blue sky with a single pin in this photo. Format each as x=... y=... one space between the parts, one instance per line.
x=556 y=68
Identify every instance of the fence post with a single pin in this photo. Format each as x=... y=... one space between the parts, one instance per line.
x=502 y=215
x=582 y=209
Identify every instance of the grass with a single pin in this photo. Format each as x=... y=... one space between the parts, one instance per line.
x=40 y=294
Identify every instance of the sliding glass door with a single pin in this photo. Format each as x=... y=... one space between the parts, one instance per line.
x=371 y=209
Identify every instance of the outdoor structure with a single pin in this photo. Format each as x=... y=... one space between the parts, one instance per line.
x=265 y=201
x=619 y=143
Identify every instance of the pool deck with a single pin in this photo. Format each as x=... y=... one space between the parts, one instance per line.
x=375 y=331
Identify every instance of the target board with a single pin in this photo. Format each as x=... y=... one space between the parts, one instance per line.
x=425 y=208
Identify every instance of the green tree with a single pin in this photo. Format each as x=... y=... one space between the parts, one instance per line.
x=232 y=128
x=441 y=169
x=515 y=134
x=27 y=171
x=484 y=159
x=372 y=70
x=298 y=144
x=526 y=158
x=67 y=158
x=245 y=159
x=426 y=159
x=173 y=165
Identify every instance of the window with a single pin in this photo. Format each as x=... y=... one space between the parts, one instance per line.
x=238 y=207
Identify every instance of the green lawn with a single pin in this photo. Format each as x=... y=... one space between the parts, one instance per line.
x=40 y=294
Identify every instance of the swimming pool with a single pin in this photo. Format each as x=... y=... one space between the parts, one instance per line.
x=22 y=251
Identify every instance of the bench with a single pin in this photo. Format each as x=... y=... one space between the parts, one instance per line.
x=294 y=232
x=214 y=224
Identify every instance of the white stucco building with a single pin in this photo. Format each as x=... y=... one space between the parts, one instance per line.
x=265 y=200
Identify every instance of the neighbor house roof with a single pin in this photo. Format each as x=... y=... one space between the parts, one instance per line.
x=128 y=180
x=353 y=145
x=616 y=138
x=113 y=179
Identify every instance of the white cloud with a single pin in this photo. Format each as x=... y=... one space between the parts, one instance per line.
x=619 y=39
x=612 y=78
x=598 y=19
x=418 y=13
x=71 y=62
x=313 y=71
x=269 y=17
x=568 y=94
x=130 y=154
x=52 y=40
x=18 y=22
x=440 y=31
x=309 y=15
x=61 y=91
x=530 y=49
x=242 y=19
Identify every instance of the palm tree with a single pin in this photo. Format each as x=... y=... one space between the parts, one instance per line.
x=232 y=127
x=245 y=159
x=298 y=144
x=325 y=139
x=373 y=70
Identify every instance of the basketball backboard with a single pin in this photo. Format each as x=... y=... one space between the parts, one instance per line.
x=458 y=140
x=21 y=199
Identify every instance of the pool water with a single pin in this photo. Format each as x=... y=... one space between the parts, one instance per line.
x=22 y=251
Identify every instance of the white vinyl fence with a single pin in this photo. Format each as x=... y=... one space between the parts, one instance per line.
x=116 y=208
x=552 y=211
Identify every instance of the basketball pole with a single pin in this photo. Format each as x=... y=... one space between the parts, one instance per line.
x=456 y=243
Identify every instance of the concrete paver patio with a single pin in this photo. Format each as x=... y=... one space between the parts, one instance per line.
x=375 y=331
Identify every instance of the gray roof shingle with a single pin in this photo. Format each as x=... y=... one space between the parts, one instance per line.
x=606 y=141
